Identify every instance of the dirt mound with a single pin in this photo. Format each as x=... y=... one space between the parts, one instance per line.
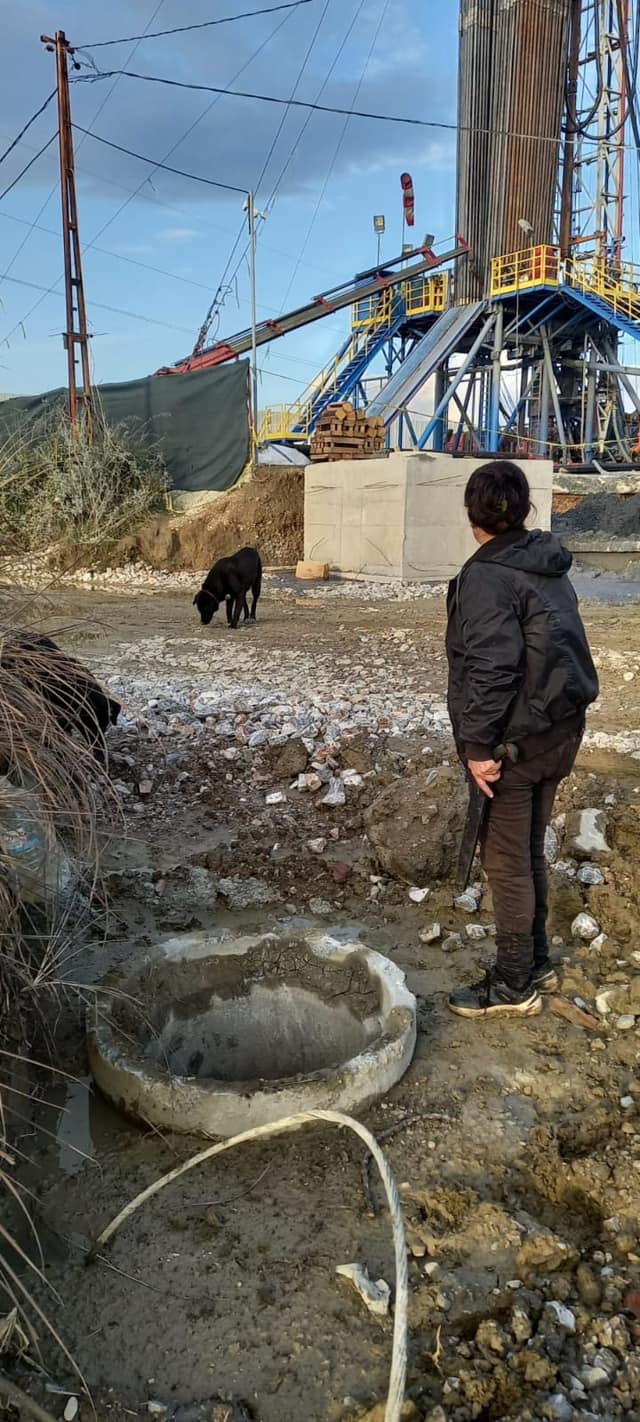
x=266 y=511
x=617 y=514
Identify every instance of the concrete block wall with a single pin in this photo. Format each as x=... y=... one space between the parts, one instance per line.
x=400 y=517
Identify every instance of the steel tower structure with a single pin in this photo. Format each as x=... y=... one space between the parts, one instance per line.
x=522 y=346
x=546 y=101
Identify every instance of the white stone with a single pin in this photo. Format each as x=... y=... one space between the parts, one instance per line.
x=320 y=907
x=475 y=931
x=317 y=846
x=418 y=896
x=627 y=1103
x=559 y=1407
x=565 y=1317
x=430 y=934
x=71 y=1409
x=599 y=942
x=626 y=1022
x=585 y=927
x=376 y=1294
x=590 y=837
x=603 y=1001
x=594 y=1377
x=550 y=845
x=335 y=796
x=468 y=901
x=309 y=780
x=275 y=797
x=589 y=874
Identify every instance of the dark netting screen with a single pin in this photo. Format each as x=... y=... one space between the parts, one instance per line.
x=199 y=421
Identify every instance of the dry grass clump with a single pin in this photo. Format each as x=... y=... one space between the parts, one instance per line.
x=76 y=488
x=55 y=798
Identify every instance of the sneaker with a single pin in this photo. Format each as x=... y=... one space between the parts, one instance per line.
x=544 y=977
x=492 y=998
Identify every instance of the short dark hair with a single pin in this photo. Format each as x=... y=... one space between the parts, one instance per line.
x=497 y=497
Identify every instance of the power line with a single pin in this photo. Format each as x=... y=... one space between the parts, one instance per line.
x=27 y=126
x=132 y=195
x=323 y=108
x=336 y=151
x=307 y=120
x=106 y=252
x=50 y=194
x=214 y=305
x=29 y=165
x=203 y=25
x=114 y=310
x=166 y=168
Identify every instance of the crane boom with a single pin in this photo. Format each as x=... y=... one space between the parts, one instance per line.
x=377 y=279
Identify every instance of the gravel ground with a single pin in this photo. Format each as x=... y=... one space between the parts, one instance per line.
x=516 y=1145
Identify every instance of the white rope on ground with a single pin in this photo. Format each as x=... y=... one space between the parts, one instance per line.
x=395 y=1394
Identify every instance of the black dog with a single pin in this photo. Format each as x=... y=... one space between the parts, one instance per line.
x=229 y=581
x=69 y=691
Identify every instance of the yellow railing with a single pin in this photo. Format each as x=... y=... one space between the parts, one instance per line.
x=422 y=296
x=372 y=310
x=277 y=422
x=426 y=294
x=542 y=266
x=620 y=288
x=518 y=271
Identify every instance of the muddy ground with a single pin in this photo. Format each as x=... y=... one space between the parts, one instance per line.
x=517 y=1148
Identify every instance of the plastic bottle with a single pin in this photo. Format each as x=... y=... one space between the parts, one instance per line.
x=30 y=847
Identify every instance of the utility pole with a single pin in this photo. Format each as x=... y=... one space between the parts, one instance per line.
x=251 y=218
x=76 y=334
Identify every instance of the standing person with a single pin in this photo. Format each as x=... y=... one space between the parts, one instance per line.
x=520 y=672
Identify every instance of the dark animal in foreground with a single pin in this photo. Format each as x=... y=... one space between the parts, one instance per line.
x=229 y=581
x=69 y=691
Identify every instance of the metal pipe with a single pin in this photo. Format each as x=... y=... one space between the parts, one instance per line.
x=553 y=389
x=459 y=375
x=251 y=218
x=496 y=376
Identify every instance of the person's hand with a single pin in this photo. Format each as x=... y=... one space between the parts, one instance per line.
x=485 y=774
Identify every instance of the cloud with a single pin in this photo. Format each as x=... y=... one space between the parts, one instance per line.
x=177 y=234
x=225 y=138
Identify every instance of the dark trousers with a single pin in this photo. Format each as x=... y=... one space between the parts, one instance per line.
x=513 y=858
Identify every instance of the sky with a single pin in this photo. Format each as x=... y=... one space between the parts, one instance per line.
x=156 y=245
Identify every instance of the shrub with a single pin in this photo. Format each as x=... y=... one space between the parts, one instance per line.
x=76 y=487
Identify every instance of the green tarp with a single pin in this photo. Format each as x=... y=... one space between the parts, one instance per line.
x=198 y=421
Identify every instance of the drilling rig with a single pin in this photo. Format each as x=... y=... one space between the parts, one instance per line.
x=521 y=336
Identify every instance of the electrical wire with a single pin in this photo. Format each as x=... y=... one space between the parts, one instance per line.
x=203 y=25
x=338 y=54
x=114 y=310
x=216 y=302
x=19 y=136
x=133 y=195
x=29 y=165
x=100 y=109
x=207 y=322
x=155 y=162
x=381 y=19
x=291 y=102
x=106 y=252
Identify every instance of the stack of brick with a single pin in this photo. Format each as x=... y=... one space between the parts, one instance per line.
x=345 y=433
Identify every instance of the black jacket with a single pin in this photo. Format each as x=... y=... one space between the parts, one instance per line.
x=520 y=668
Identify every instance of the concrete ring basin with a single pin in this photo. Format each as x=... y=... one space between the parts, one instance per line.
x=212 y=1037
